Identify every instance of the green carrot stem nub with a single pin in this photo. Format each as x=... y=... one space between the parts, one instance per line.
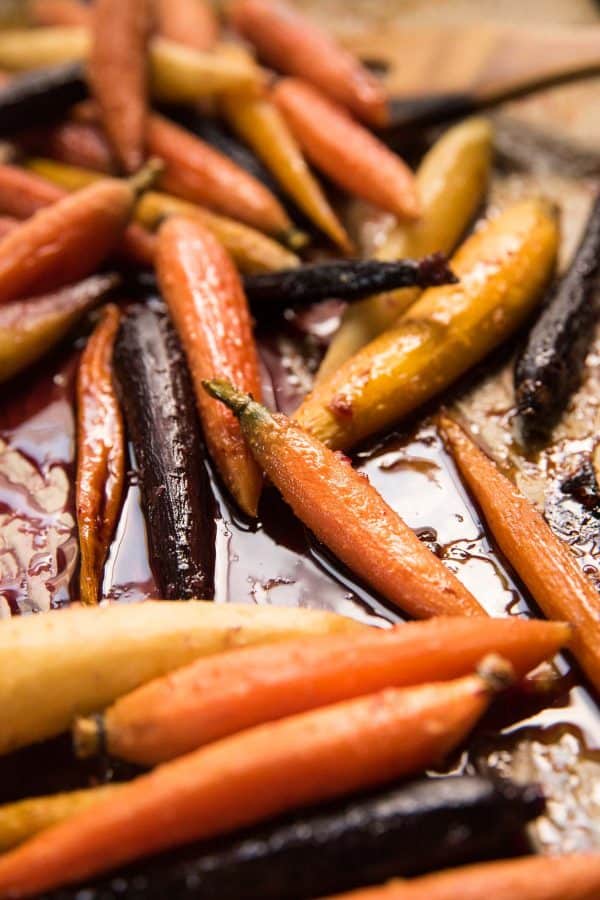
x=223 y=390
x=145 y=178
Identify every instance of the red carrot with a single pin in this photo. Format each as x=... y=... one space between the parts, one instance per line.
x=75 y=143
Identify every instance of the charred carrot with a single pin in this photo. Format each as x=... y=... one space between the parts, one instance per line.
x=571 y=877
x=345 y=151
x=59 y=12
x=189 y=22
x=75 y=143
x=212 y=698
x=287 y=41
x=196 y=172
x=259 y=123
x=255 y=775
x=118 y=77
x=100 y=454
x=207 y=304
x=67 y=240
x=339 y=505
x=545 y=564
x=29 y=328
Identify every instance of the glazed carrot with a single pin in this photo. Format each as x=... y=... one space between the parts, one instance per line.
x=339 y=505
x=213 y=698
x=571 y=877
x=208 y=307
x=545 y=564
x=260 y=124
x=118 y=77
x=100 y=454
x=196 y=172
x=255 y=775
x=67 y=240
x=7 y=223
x=75 y=143
x=345 y=151
x=289 y=42
x=59 y=12
x=189 y=22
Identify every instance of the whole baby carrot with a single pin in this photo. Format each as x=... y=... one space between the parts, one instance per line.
x=75 y=143
x=345 y=151
x=339 y=505
x=189 y=22
x=117 y=73
x=260 y=124
x=212 y=698
x=570 y=877
x=545 y=564
x=59 y=12
x=196 y=172
x=207 y=304
x=289 y=42
x=100 y=454
x=254 y=775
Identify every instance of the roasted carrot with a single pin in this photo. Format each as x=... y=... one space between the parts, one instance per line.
x=345 y=151
x=59 y=12
x=196 y=172
x=7 y=223
x=189 y=22
x=545 y=564
x=212 y=698
x=571 y=877
x=255 y=775
x=67 y=240
x=289 y=42
x=118 y=77
x=339 y=505
x=100 y=454
x=207 y=304
x=75 y=143
x=260 y=124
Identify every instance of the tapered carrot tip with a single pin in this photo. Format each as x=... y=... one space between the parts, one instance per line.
x=146 y=177
x=88 y=736
x=294 y=239
x=497 y=673
x=224 y=391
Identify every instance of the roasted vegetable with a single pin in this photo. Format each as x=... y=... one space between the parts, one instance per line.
x=210 y=699
x=40 y=96
x=254 y=775
x=190 y=22
x=570 y=877
x=339 y=505
x=346 y=280
x=29 y=328
x=549 y=367
x=28 y=48
x=545 y=564
x=74 y=661
x=75 y=143
x=451 y=182
x=161 y=421
x=100 y=454
x=502 y=270
x=59 y=12
x=406 y=830
x=292 y=44
x=345 y=151
x=24 y=193
x=207 y=303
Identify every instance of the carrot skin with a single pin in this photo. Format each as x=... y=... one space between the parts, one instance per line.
x=75 y=143
x=252 y=776
x=339 y=505
x=289 y=42
x=100 y=454
x=570 y=877
x=207 y=304
x=196 y=172
x=545 y=564
x=7 y=223
x=189 y=22
x=118 y=77
x=59 y=12
x=345 y=151
x=213 y=698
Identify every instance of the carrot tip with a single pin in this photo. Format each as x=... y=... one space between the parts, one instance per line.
x=497 y=673
x=89 y=736
x=294 y=238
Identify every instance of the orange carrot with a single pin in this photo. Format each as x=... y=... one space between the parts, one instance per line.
x=196 y=172
x=59 y=12
x=189 y=22
x=288 y=42
x=572 y=877
x=212 y=698
x=339 y=505
x=75 y=143
x=545 y=564
x=117 y=74
x=7 y=223
x=206 y=300
x=100 y=454
x=252 y=776
x=349 y=154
